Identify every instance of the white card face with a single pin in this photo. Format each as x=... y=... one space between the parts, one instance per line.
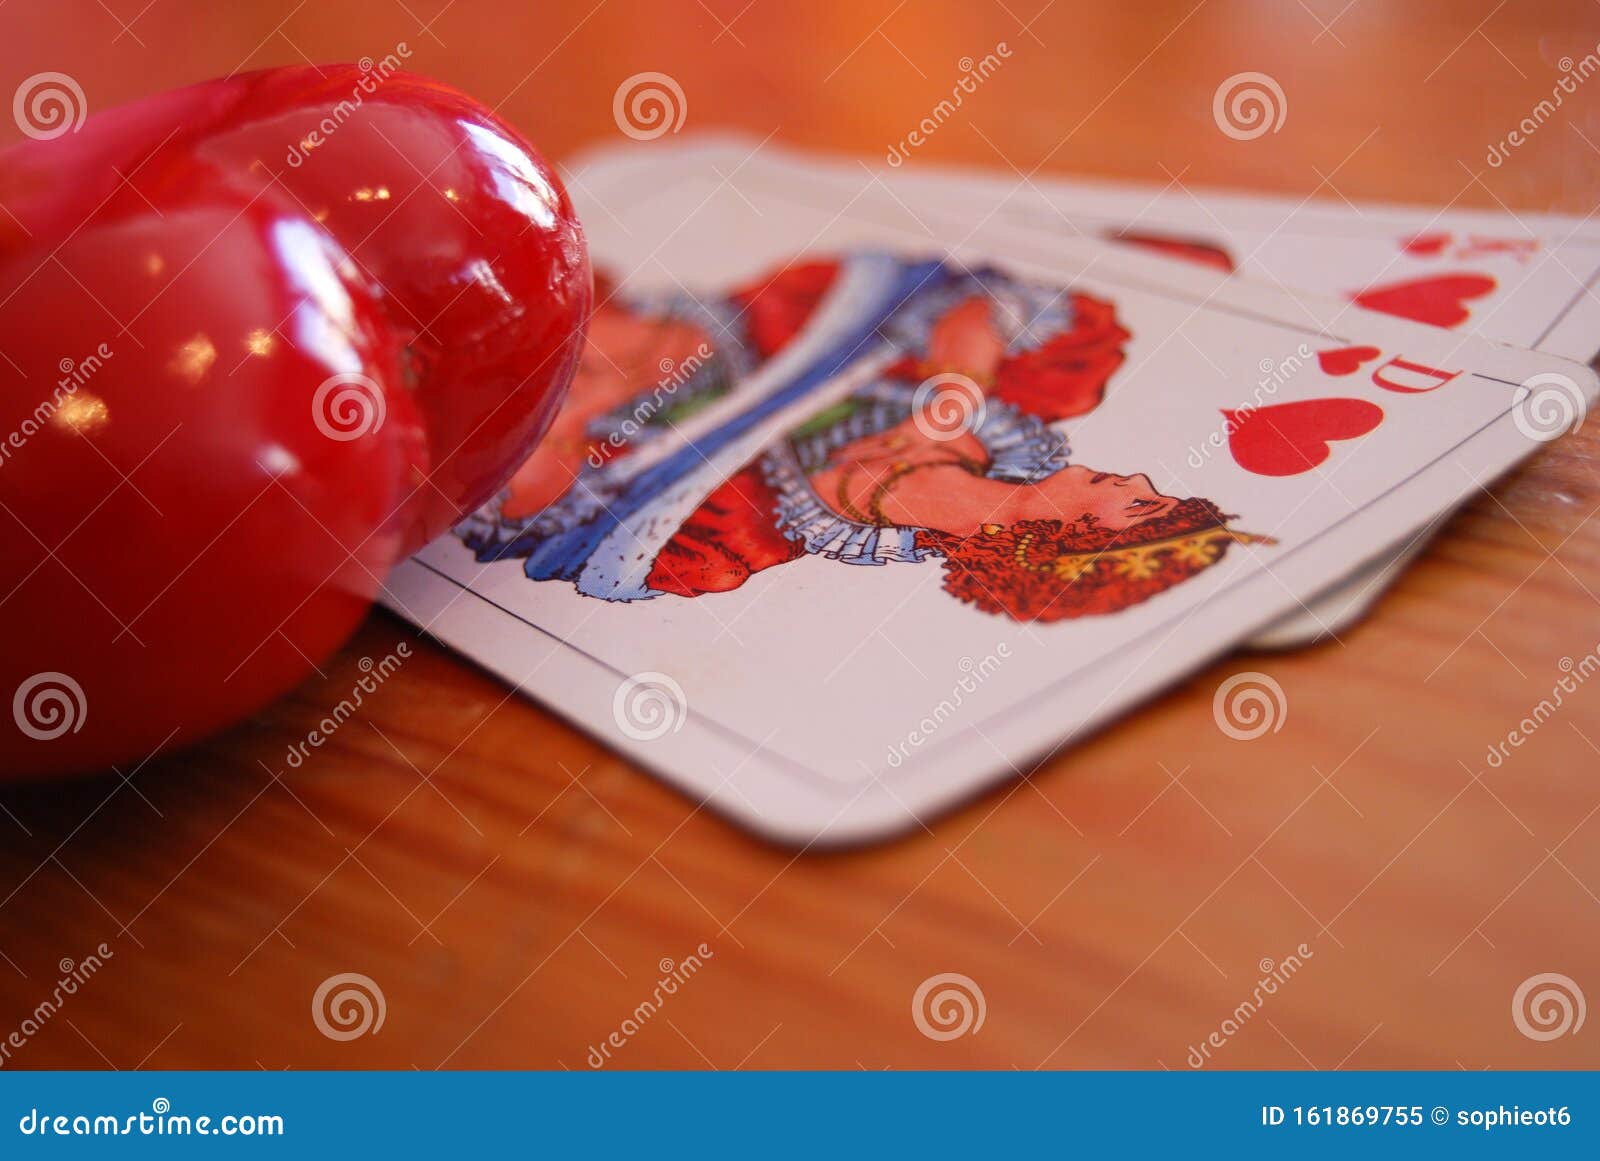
x=855 y=525
x=1523 y=279
x=1526 y=279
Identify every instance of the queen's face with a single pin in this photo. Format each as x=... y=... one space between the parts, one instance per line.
x=1116 y=502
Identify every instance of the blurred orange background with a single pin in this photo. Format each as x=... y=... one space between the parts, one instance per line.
x=1374 y=88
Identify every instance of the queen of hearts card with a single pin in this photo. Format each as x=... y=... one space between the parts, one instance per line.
x=870 y=410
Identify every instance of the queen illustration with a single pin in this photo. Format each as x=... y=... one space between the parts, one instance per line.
x=873 y=411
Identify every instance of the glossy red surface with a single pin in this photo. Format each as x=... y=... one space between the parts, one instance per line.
x=190 y=514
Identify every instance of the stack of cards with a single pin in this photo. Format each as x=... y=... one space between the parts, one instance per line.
x=878 y=486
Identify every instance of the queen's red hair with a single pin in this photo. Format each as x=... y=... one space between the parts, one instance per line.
x=1055 y=570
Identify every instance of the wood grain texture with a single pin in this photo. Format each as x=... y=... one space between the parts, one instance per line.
x=513 y=886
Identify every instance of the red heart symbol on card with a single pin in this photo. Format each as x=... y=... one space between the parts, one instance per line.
x=1429 y=300
x=1346 y=360
x=1425 y=245
x=1289 y=438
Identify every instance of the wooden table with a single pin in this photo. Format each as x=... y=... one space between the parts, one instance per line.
x=514 y=888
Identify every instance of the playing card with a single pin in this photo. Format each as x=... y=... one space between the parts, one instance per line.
x=846 y=521
x=1525 y=279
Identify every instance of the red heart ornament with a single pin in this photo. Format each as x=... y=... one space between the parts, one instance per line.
x=1425 y=245
x=1438 y=301
x=1289 y=438
x=1346 y=360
